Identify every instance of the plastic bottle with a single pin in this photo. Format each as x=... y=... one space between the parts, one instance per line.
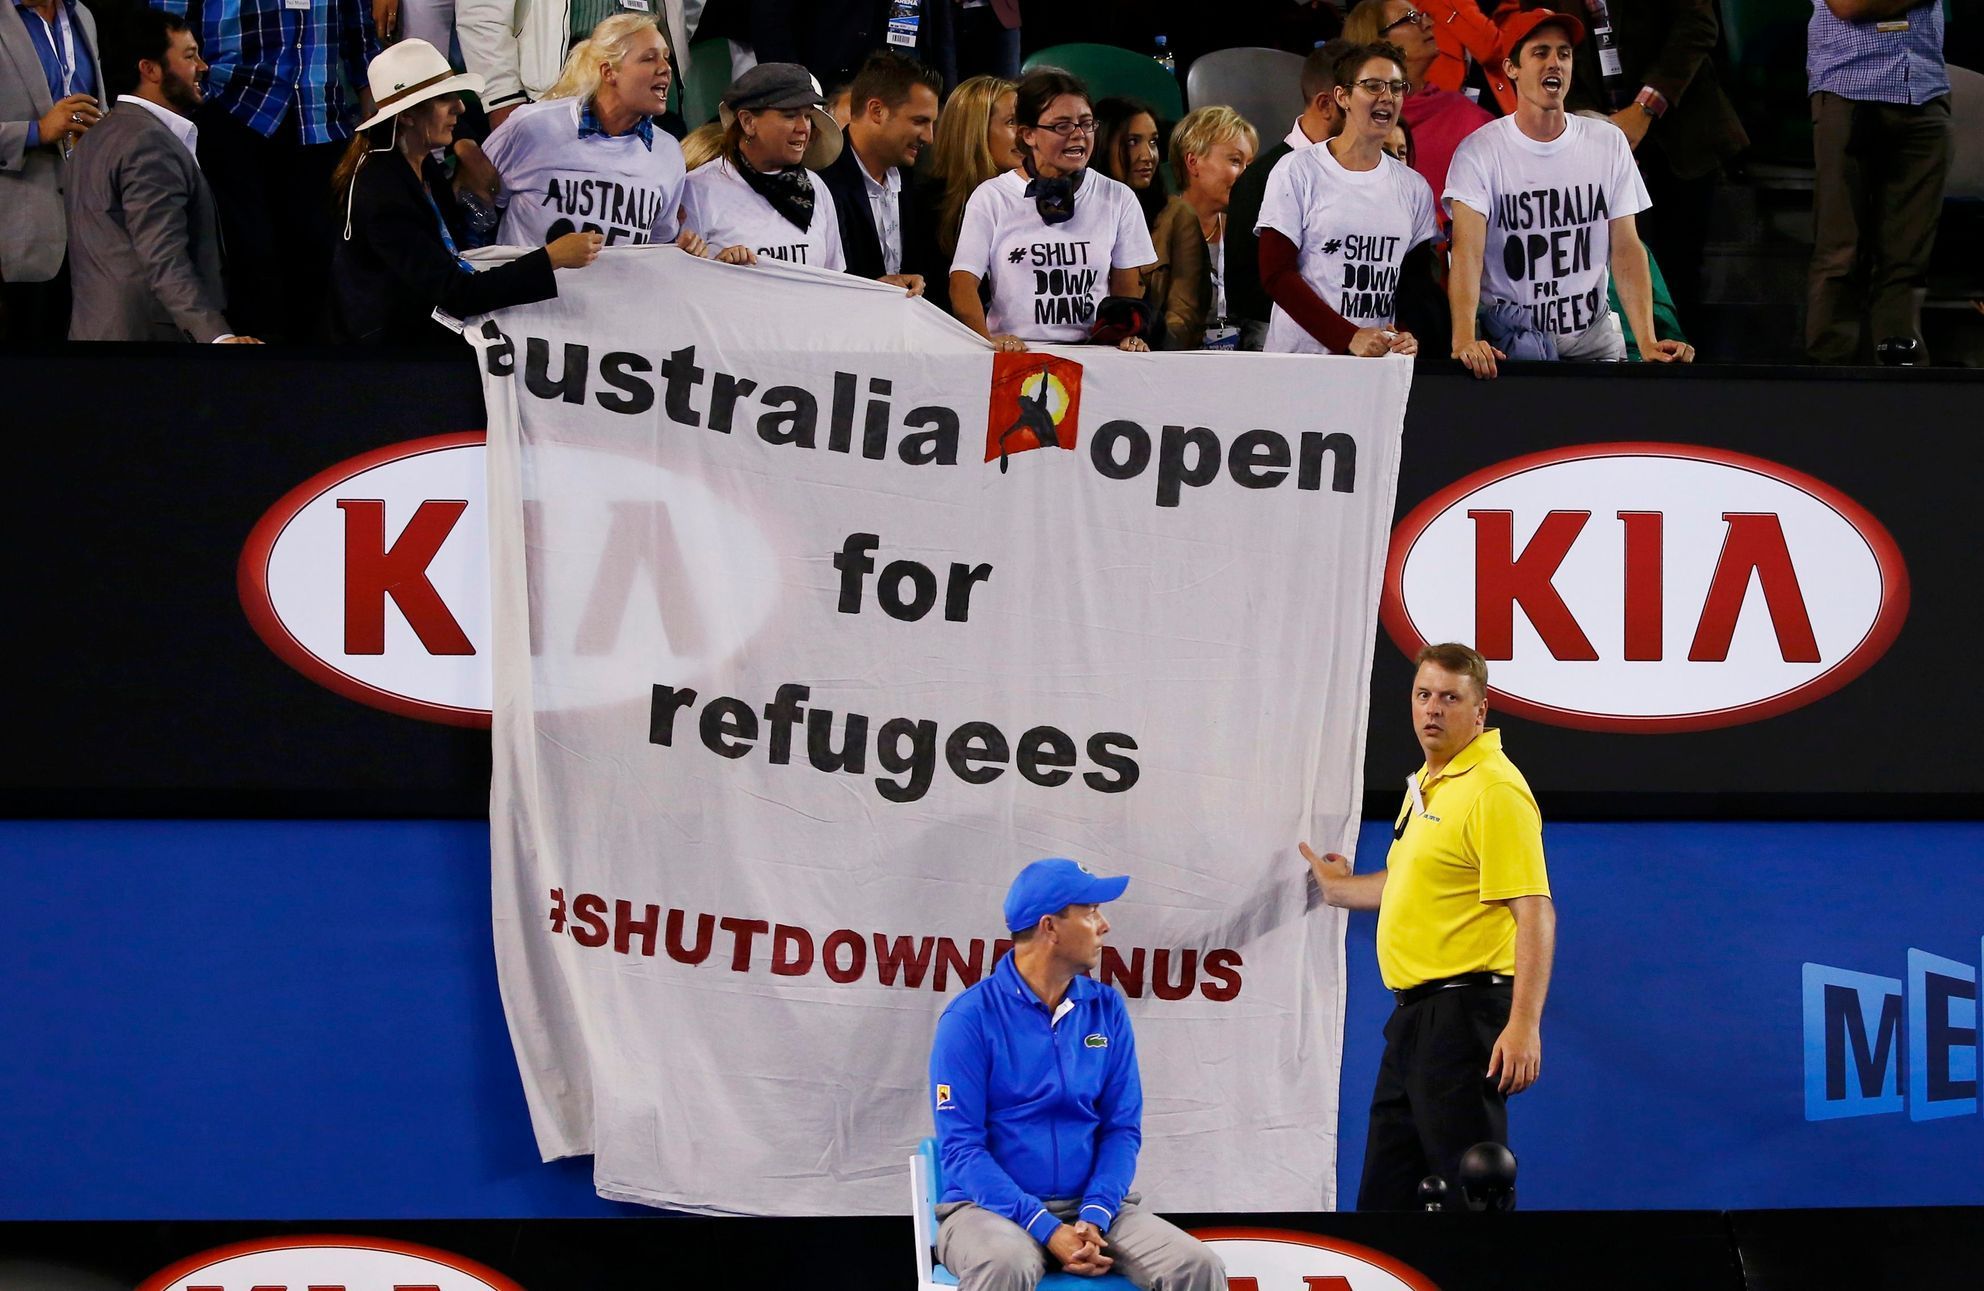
x=1162 y=54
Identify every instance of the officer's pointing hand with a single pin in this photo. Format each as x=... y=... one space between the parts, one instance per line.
x=1328 y=867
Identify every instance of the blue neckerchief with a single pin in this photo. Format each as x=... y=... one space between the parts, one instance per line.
x=447 y=238
x=589 y=125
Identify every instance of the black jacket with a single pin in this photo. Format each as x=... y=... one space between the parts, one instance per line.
x=394 y=270
x=860 y=242
x=1670 y=45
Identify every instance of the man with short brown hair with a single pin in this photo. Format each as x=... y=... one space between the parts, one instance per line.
x=1466 y=934
x=892 y=118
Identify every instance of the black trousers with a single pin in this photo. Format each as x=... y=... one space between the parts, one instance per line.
x=1434 y=1100
x=35 y=313
x=277 y=220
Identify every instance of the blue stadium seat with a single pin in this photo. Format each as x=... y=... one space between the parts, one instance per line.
x=926 y=1184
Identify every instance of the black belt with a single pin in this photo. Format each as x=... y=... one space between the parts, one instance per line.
x=1438 y=984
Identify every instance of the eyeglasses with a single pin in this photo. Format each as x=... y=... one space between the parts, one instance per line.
x=1372 y=86
x=1065 y=128
x=1412 y=16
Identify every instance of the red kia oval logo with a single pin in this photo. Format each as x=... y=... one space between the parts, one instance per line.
x=372 y=579
x=1648 y=588
x=1274 y=1259
x=325 y=1263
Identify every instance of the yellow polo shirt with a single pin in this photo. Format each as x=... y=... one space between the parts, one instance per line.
x=1474 y=840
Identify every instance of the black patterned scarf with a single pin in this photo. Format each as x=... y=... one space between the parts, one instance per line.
x=1054 y=198
x=790 y=191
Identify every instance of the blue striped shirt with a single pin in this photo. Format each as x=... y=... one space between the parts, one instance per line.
x=268 y=58
x=65 y=60
x=1900 y=61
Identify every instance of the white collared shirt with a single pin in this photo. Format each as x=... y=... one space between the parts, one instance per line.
x=182 y=128
x=1297 y=138
x=885 y=204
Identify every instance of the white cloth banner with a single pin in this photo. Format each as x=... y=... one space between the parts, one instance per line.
x=790 y=680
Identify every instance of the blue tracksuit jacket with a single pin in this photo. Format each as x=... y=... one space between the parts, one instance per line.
x=1029 y=1106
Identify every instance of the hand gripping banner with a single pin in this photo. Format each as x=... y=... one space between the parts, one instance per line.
x=814 y=621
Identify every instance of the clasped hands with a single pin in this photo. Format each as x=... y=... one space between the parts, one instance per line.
x=1079 y=1248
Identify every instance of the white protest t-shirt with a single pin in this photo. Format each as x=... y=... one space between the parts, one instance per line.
x=1351 y=229
x=1549 y=208
x=1047 y=279
x=728 y=212
x=555 y=182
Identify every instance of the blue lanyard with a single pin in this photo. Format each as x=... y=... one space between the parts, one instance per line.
x=447 y=238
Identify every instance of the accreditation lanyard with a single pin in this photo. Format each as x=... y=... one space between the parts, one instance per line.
x=1219 y=333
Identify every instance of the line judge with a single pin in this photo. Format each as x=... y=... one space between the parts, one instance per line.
x=1466 y=932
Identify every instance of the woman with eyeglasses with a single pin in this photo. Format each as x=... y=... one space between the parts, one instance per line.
x=1338 y=219
x=1438 y=117
x=1053 y=238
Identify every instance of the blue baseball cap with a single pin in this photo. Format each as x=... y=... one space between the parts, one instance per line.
x=1051 y=886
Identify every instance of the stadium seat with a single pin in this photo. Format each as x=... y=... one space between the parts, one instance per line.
x=1111 y=70
x=1262 y=85
x=926 y=1184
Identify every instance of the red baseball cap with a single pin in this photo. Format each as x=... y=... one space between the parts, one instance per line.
x=1517 y=29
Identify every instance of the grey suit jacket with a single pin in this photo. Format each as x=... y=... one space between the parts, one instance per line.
x=144 y=251
x=32 y=234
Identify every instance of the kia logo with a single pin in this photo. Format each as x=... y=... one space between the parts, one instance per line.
x=372 y=578
x=325 y=1263
x=1648 y=588
x=1272 y=1259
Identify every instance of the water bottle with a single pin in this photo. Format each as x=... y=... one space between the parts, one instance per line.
x=1617 y=94
x=478 y=213
x=1162 y=55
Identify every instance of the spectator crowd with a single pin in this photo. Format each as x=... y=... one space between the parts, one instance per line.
x=1529 y=182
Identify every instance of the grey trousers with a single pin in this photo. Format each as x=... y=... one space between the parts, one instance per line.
x=1875 y=203
x=989 y=1252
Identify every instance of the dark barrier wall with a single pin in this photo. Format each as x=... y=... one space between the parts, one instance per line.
x=299 y=1019
x=149 y=694
x=293 y=1018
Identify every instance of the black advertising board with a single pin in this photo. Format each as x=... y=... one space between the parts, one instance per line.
x=1711 y=592
x=1828 y=517
x=1537 y=1251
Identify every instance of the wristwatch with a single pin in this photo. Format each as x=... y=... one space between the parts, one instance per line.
x=1651 y=101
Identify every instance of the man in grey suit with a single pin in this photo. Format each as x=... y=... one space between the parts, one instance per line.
x=144 y=236
x=49 y=81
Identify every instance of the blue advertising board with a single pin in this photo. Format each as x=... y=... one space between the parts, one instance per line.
x=300 y=1019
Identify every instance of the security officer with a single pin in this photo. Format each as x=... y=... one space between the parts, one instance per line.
x=1466 y=932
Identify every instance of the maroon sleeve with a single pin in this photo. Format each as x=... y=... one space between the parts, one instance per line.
x=1281 y=278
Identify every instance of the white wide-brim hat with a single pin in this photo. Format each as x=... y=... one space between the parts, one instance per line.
x=409 y=72
x=770 y=86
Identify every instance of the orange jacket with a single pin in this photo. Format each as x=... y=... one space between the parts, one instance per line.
x=1460 y=29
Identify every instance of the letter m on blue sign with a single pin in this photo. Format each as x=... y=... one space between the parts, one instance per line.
x=1852 y=1043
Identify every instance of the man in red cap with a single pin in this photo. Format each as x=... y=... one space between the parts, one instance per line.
x=1542 y=204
